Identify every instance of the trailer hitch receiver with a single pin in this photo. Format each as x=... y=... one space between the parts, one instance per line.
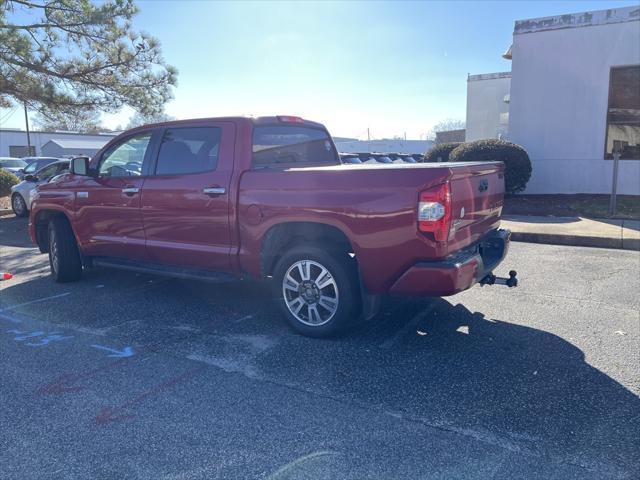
x=510 y=282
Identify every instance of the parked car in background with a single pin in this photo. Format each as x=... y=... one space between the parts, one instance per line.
x=366 y=158
x=370 y=158
x=21 y=194
x=382 y=158
x=13 y=165
x=34 y=164
x=350 y=158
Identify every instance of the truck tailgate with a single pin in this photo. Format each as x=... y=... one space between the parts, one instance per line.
x=476 y=198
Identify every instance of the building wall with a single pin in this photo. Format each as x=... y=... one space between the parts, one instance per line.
x=50 y=149
x=10 y=138
x=450 y=136
x=487 y=112
x=559 y=98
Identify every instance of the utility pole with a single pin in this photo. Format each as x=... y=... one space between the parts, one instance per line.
x=26 y=121
x=405 y=135
x=368 y=135
x=614 y=186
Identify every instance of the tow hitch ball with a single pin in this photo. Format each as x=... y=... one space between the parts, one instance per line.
x=510 y=282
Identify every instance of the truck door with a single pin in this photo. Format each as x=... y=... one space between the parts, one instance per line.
x=108 y=220
x=185 y=200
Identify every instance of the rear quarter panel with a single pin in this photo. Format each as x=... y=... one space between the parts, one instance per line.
x=374 y=207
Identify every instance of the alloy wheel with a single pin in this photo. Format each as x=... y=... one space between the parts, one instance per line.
x=310 y=292
x=19 y=207
x=53 y=250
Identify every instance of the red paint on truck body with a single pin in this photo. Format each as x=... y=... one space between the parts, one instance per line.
x=375 y=206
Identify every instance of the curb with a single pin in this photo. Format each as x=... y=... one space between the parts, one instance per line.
x=576 y=240
x=5 y=211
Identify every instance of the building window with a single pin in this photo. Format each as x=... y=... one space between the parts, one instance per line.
x=623 y=114
x=20 y=151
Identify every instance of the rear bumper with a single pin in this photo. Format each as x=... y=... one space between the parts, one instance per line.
x=457 y=272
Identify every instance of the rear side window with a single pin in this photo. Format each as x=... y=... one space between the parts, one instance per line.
x=276 y=144
x=188 y=150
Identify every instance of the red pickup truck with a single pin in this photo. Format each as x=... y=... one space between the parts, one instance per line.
x=268 y=198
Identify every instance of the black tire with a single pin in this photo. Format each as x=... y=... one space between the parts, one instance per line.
x=64 y=256
x=18 y=205
x=344 y=283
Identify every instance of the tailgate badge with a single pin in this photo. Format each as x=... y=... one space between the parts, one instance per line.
x=484 y=185
x=462 y=212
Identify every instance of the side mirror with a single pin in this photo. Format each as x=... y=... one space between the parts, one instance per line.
x=30 y=178
x=80 y=166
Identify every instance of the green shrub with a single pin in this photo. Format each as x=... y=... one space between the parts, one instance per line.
x=516 y=161
x=7 y=180
x=441 y=152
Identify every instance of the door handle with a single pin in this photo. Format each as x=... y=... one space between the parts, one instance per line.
x=214 y=190
x=130 y=190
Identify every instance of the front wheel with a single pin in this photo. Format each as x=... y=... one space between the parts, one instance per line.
x=318 y=292
x=19 y=206
x=64 y=257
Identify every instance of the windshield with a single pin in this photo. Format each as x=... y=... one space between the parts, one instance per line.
x=17 y=163
x=34 y=166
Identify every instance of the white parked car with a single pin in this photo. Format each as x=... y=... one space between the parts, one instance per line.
x=21 y=194
x=34 y=164
x=13 y=165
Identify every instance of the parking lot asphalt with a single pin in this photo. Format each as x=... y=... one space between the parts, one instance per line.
x=125 y=375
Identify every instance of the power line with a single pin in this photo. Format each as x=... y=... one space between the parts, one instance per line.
x=11 y=112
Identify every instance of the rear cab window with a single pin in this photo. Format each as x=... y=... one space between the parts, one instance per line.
x=292 y=145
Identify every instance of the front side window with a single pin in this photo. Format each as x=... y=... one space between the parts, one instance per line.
x=282 y=144
x=125 y=159
x=188 y=150
x=47 y=172
x=623 y=115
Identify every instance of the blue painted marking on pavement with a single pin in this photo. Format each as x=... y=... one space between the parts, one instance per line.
x=124 y=353
x=50 y=338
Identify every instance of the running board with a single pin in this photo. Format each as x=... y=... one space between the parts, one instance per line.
x=163 y=270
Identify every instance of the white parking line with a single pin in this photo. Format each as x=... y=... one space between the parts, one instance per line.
x=35 y=301
x=10 y=318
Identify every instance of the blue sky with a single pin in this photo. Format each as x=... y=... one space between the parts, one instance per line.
x=394 y=67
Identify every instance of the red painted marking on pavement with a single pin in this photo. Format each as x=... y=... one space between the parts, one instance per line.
x=64 y=383
x=114 y=414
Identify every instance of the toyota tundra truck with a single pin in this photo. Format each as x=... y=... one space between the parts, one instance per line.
x=268 y=198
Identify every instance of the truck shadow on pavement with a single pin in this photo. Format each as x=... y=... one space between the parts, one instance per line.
x=517 y=387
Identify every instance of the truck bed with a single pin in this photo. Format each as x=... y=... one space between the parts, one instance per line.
x=375 y=206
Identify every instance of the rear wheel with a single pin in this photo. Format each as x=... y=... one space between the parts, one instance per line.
x=318 y=292
x=64 y=257
x=18 y=205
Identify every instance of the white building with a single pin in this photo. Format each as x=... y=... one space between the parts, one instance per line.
x=13 y=143
x=574 y=98
x=488 y=105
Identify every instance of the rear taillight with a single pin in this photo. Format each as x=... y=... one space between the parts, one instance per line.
x=434 y=212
